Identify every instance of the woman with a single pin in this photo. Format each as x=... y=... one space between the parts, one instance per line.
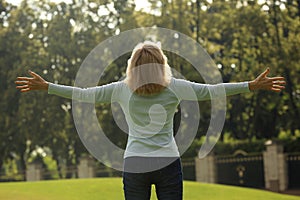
x=151 y=155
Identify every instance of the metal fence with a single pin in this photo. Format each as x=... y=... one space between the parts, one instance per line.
x=241 y=170
x=293 y=163
x=188 y=169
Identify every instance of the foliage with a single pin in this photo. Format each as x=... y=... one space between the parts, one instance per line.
x=229 y=146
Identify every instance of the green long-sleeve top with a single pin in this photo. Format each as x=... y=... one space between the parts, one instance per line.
x=149 y=118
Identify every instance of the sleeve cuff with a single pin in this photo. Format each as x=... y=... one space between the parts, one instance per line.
x=247 y=86
x=50 y=88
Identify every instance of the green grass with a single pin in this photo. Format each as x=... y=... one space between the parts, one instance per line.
x=111 y=189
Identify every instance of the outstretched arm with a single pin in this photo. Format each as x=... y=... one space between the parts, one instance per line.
x=207 y=91
x=98 y=94
x=35 y=82
x=262 y=82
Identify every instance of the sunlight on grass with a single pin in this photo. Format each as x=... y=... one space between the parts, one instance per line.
x=111 y=189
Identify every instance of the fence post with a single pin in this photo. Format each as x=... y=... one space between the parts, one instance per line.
x=34 y=172
x=275 y=168
x=86 y=167
x=206 y=169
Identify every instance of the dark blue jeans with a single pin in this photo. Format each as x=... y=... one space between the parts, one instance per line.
x=167 y=181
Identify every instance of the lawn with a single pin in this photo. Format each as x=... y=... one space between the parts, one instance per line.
x=111 y=189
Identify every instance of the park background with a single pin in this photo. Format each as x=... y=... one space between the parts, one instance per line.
x=53 y=38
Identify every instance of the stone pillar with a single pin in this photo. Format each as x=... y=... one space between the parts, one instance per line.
x=275 y=168
x=86 y=167
x=34 y=172
x=206 y=169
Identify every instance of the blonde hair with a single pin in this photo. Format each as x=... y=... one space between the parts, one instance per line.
x=147 y=71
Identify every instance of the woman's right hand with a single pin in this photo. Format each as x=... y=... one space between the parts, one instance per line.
x=262 y=82
x=35 y=82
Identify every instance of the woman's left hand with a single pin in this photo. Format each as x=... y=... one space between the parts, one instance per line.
x=35 y=82
x=262 y=82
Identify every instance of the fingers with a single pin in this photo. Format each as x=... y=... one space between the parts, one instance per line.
x=25 y=90
x=34 y=74
x=36 y=82
x=277 y=78
x=275 y=84
x=279 y=82
x=21 y=82
x=265 y=73
x=276 y=89
x=28 y=80
x=22 y=86
x=24 y=78
x=279 y=87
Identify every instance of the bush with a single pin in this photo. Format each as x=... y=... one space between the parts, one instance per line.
x=230 y=146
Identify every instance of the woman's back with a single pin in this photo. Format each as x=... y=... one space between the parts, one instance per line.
x=150 y=122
